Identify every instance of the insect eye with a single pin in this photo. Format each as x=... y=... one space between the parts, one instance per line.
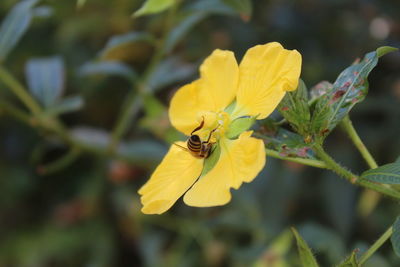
x=195 y=138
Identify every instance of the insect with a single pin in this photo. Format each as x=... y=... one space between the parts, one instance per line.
x=196 y=147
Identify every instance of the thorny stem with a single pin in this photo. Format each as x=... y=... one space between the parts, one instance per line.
x=351 y=177
x=378 y=243
x=351 y=131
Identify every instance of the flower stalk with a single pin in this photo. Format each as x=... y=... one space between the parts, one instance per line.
x=378 y=243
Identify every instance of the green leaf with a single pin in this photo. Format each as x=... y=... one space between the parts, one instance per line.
x=121 y=44
x=162 y=75
x=350 y=261
x=239 y=125
x=153 y=7
x=395 y=238
x=386 y=174
x=14 y=26
x=383 y=50
x=142 y=152
x=108 y=68
x=306 y=256
x=288 y=144
x=45 y=78
x=243 y=7
x=294 y=108
x=66 y=105
x=350 y=88
x=80 y=3
x=212 y=160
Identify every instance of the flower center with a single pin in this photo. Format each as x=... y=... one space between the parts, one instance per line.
x=217 y=121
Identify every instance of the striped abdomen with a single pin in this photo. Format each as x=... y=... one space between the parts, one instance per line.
x=194 y=144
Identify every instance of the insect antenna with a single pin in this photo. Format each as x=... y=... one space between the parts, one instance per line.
x=182 y=147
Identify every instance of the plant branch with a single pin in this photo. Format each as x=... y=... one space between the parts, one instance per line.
x=351 y=177
x=309 y=162
x=378 y=243
x=19 y=91
x=351 y=131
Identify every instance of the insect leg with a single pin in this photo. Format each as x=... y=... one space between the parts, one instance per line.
x=199 y=127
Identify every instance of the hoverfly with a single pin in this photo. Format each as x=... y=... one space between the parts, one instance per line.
x=196 y=147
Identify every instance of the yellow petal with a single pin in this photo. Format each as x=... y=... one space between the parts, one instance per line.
x=219 y=76
x=266 y=73
x=185 y=107
x=240 y=161
x=175 y=174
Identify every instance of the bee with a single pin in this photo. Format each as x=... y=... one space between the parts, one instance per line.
x=196 y=147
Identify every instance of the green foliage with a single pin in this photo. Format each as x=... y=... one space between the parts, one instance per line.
x=305 y=253
x=294 y=108
x=46 y=79
x=108 y=68
x=14 y=26
x=212 y=160
x=153 y=7
x=386 y=174
x=350 y=261
x=395 y=238
x=350 y=88
x=239 y=126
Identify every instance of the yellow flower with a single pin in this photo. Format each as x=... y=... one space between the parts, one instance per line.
x=224 y=92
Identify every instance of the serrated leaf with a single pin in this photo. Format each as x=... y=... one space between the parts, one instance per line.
x=153 y=7
x=386 y=174
x=66 y=105
x=350 y=88
x=121 y=44
x=350 y=261
x=212 y=160
x=14 y=26
x=306 y=256
x=395 y=238
x=108 y=68
x=239 y=125
x=294 y=108
x=288 y=144
x=45 y=78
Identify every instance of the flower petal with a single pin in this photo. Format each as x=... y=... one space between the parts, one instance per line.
x=185 y=107
x=175 y=174
x=266 y=73
x=219 y=75
x=240 y=161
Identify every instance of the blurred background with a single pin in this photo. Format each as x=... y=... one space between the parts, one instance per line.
x=63 y=205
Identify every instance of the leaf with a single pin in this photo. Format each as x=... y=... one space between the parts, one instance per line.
x=395 y=238
x=320 y=89
x=350 y=88
x=153 y=7
x=119 y=45
x=288 y=144
x=243 y=7
x=386 y=174
x=162 y=75
x=142 y=151
x=350 y=261
x=306 y=256
x=45 y=78
x=91 y=136
x=212 y=160
x=14 y=26
x=294 y=108
x=66 y=105
x=182 y=28
x=108 y=68
x=80 y=3
x=239 y=125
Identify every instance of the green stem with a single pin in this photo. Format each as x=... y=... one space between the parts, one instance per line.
x=351 y=131
x=351 y=177
x=19 y=91
x=378 y=243
x=309 y=162
x=134 y=100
